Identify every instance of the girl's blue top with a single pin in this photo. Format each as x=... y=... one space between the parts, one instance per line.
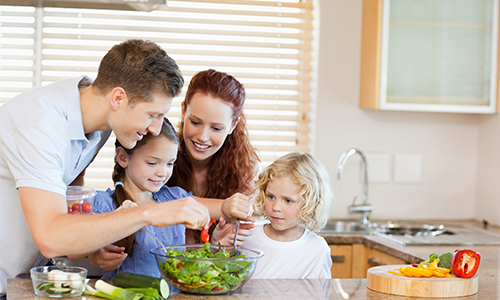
x=143 y=262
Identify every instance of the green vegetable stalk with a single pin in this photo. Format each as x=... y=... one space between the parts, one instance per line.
x=117 y=292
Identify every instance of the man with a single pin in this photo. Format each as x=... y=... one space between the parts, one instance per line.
x=50 y=134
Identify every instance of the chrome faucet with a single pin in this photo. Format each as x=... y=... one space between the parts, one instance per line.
x=363 y=208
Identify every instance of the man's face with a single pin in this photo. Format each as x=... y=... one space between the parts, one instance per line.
x=131 y=122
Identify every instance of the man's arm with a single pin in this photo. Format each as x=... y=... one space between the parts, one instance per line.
x=58 y=233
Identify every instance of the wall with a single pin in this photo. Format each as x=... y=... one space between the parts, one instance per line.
x=447 y=142
x=488 y=174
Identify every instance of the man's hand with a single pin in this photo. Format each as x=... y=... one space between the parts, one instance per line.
x=108 y=258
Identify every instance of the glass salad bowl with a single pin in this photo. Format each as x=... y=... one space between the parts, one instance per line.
x=206 y=269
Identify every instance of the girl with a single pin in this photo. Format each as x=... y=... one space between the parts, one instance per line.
x=294 y=194
x=217 y=158
x=140 y=174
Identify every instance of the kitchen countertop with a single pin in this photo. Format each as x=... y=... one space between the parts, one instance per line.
x=488 y=273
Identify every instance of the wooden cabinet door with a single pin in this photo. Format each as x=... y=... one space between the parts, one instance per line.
x=379 y=258
x=341 y=261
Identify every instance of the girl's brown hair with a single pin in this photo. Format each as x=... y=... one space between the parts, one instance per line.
x=232 y=168
x=120 y=194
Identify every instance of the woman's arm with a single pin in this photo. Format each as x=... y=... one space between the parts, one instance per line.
x=233 y=208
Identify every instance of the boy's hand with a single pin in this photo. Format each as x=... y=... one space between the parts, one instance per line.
x=236 y=207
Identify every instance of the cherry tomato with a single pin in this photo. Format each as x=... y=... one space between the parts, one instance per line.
x=179 y=265
x=86 y=207
x=75 y=212
x=69 y=209
x=76 y=207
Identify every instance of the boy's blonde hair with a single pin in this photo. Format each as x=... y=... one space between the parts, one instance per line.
x=313 y=183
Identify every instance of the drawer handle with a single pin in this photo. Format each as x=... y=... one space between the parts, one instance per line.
x=338 y=258
x=373 y=262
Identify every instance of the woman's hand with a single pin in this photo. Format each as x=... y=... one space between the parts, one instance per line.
x=236 y=207
x=224 y=232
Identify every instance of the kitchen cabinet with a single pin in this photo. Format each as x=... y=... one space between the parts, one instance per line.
x=352 y=261
x=341 y=261
x=430 y=55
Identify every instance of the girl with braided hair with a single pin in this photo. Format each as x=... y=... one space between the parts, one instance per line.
x=139 y=175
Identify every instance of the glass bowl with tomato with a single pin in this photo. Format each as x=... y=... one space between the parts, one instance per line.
x=206 y=269
x=80 y=200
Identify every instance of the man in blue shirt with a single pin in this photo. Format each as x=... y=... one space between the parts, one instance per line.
x=49 y=135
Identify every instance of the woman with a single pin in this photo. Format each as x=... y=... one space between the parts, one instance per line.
x=216 y=158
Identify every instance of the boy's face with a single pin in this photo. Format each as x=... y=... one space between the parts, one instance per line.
x=131 y=122
x=282 y=205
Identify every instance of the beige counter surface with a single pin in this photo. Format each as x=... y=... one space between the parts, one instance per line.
x=488 y=273
x=279 y=289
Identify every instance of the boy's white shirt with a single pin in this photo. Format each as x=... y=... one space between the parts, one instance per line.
x=307 y=257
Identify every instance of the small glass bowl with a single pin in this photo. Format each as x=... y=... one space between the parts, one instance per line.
x=80 y=200
x=54 y=282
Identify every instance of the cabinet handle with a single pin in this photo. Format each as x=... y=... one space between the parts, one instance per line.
x=372 y=262
x=338 y=258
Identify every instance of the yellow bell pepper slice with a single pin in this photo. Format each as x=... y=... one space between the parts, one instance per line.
x=423 y=271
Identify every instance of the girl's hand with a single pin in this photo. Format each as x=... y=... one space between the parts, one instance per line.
x=224 y=232
x=127 y=204
x=108 y=258
x=236 y=207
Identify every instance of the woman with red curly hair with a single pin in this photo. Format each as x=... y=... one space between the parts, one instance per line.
x=216 y=159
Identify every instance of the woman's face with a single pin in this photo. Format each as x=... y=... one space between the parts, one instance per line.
x=207 y=123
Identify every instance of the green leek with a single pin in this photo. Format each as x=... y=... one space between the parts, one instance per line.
x=117 y=292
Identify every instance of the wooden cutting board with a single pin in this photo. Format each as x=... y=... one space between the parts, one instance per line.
x=378 y=279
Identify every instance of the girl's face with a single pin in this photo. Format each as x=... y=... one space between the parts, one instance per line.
x=207 y=123
x=282 y=206
x=150 y=166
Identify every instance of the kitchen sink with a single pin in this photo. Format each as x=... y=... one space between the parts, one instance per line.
x=346 y=227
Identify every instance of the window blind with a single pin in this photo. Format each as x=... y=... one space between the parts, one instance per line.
x=265 y=44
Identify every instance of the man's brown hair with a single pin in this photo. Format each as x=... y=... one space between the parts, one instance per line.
x=140 y=67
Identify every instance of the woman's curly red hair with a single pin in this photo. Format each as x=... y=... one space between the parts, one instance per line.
x=232 y=168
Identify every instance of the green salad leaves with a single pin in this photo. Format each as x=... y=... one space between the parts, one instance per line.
x=206 y=276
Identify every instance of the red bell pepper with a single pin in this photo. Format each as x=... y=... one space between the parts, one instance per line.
x=464 y=263
x=204 y=232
